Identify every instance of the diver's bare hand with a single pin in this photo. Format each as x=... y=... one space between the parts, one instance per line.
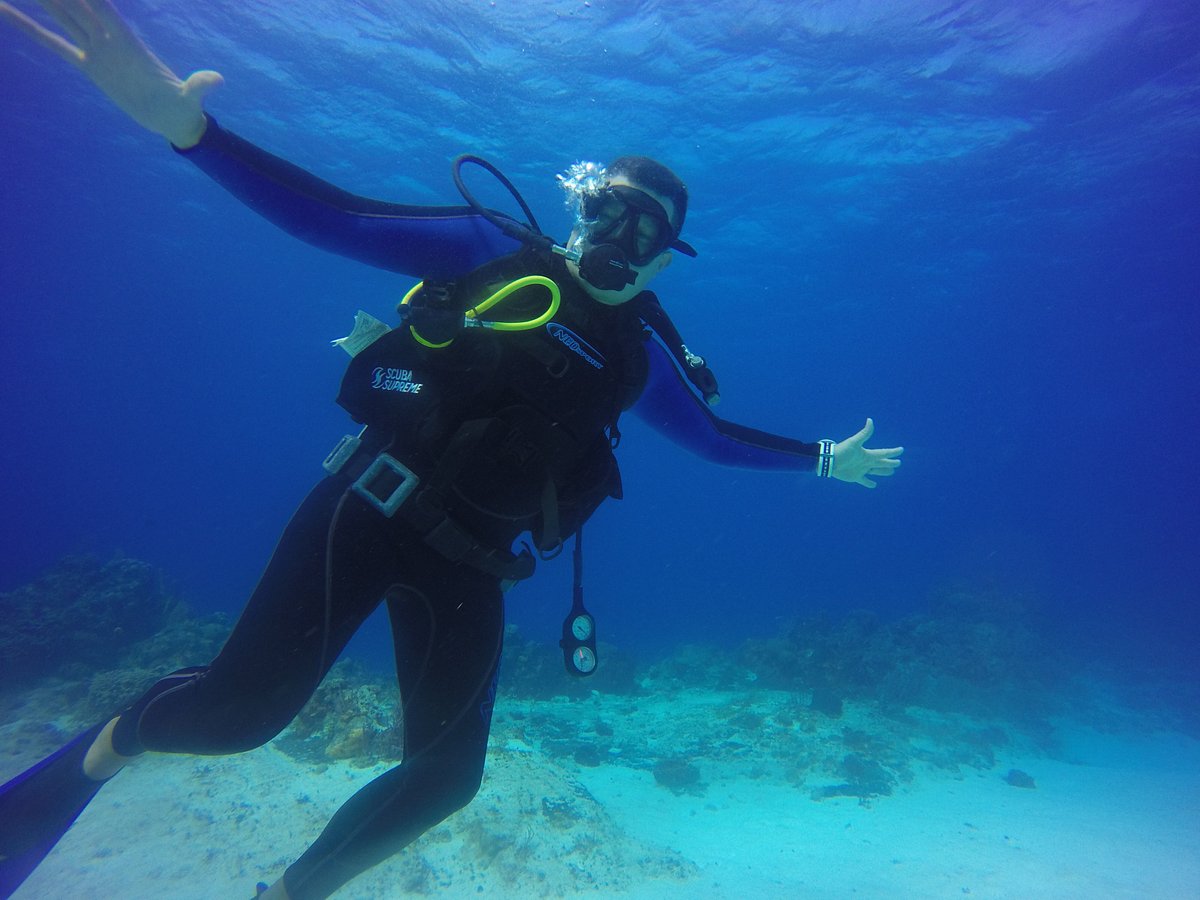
x=855 y=463
x=107 y=51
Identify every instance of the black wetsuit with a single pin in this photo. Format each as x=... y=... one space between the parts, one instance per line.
x=447 y=621
x=510 y=435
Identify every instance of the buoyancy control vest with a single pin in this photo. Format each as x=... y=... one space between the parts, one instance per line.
x=515 y=430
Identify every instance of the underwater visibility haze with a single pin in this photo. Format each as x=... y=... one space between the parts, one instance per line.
x=976 y=222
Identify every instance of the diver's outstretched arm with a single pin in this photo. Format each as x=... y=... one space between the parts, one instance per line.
x=105 y=49
x=671 y=408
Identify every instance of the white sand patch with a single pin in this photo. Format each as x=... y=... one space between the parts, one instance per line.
x=1119 y=820
x=1085 y=831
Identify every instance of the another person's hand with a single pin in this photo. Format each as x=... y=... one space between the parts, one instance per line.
x=855 y=463
x=107 y=51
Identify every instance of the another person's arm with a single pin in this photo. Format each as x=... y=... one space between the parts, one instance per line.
x=670 y=407
x=105 y=49
x=430 y=242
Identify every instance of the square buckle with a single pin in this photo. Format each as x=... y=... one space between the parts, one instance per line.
x=386 y=484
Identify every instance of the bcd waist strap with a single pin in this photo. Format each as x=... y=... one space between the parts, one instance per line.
x=422 y=507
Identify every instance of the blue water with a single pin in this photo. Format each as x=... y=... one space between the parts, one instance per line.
x=976 y=222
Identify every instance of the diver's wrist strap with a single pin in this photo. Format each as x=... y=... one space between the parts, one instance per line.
x=825 y=460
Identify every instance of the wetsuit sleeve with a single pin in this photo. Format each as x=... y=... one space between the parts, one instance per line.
x=439 y=242
x=670 y=407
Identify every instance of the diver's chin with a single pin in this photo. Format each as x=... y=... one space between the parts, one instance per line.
x=608 y=297
x=612 y=298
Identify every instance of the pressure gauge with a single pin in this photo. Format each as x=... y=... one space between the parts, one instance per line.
x=583 y=659
x=581 y=627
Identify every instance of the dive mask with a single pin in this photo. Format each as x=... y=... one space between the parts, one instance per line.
x=626 y=227
x=629 y=219
x=632 y=221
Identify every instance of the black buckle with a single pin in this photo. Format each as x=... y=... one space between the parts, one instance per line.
x=451 y=541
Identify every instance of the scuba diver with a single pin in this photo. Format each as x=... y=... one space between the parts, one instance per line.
x=489 y=412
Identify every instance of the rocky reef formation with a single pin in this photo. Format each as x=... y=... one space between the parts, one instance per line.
x=81 y=614
x=851 y=707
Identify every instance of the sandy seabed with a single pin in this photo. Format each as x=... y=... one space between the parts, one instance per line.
x=1111 y=815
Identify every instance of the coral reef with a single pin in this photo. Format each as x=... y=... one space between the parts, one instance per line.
x=570 y=847
x=85 y=639
x=113 y=689
x=972 y=652
x=865 y=778
x=80 y=615
x=536 y=671
x=1020 y=779
x=836 y=709
x=678 y=775
x=352 y=716
x=702 y=666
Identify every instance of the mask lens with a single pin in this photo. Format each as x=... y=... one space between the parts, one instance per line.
x=604 y=213
x=649 y=238
x=631 y=219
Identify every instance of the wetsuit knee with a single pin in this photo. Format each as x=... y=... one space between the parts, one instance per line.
x=451 y=783
x=383 y=818
x=126 y=734
x=460 y=787
x=178 y=715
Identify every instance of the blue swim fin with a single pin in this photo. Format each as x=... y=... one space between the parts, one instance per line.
x=39 y=805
